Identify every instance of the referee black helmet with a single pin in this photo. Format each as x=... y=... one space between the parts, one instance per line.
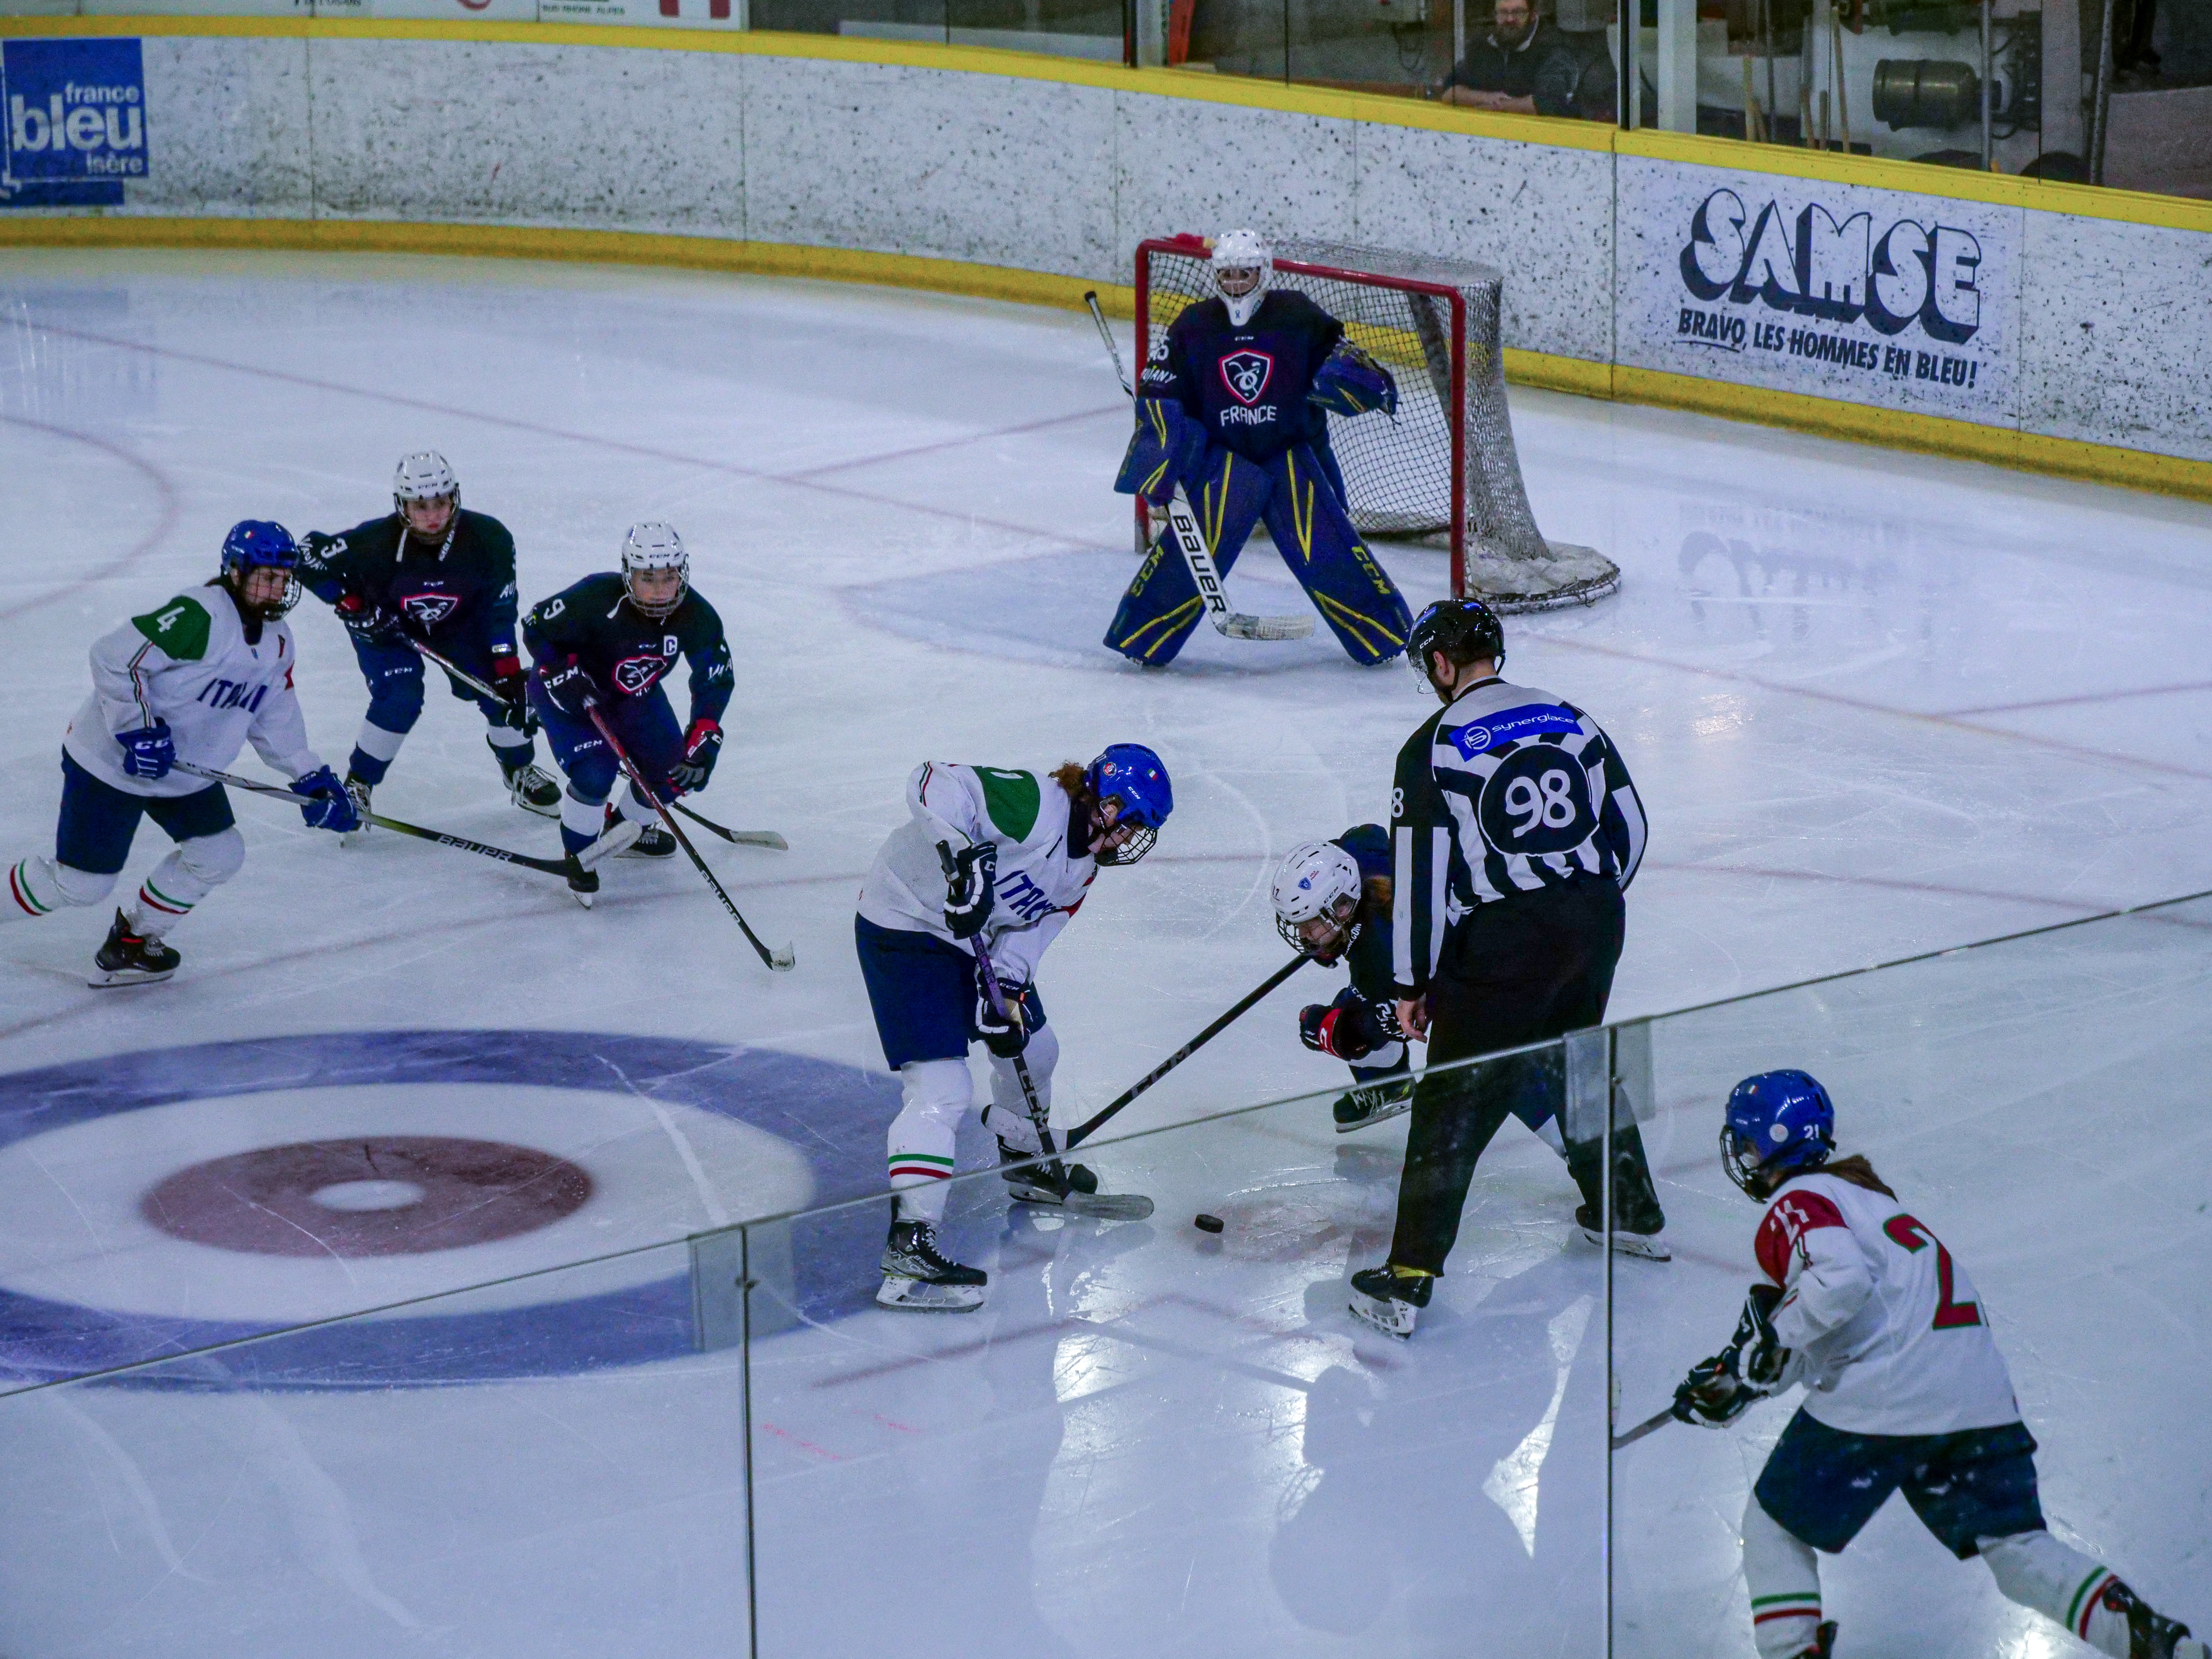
x=1464 y=630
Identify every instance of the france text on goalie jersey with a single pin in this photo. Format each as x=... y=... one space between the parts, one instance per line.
x=1885 y=1329
x=1506 y=790
x=1247 y=388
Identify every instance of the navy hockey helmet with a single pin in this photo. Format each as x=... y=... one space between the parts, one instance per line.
x=262 y=544
x=1465 y=630
x=1777 y=1123
x=1131 y=775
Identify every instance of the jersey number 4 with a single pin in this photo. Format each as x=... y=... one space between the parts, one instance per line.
x=1950 y=1315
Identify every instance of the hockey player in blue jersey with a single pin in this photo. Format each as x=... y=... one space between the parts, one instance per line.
x=1331 y=901
x=432 y=571
x=606 y=644
x=1234 y=407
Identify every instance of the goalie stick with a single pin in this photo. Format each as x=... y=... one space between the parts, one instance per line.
x=741 y=837
x=1082 y=1131
x=781 y=960
x=460 y=844
x=1190 y=542
x=1106 y=1206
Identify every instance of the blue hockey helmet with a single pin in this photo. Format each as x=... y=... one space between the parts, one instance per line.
x=1131 y=775
x=1777 y=1123
x=262 y=544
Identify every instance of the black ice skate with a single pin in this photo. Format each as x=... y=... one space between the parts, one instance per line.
x=582 y=883
x=531 y=787
x=358 y=792
x=1371 y=1102
x=1638 y=1222
x=917 y=1276
x=1824 y=1642
x=129 y=959
x=2150 y=1635
x=1391 y=1297
x=652 y=842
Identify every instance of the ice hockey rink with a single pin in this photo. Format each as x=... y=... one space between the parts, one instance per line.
x=1877 y=705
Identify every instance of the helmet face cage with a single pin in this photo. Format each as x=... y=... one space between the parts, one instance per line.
x=1339 y=916
x=261 y=545
x=1132 y=777
x=655 y=547
x=423 y=476
x=1240 y=251
x=1138 y=842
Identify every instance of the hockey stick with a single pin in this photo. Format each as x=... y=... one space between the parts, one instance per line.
x=1190 y=542
x=780 y=961
x=1082 y=1131
x=741 y=837
x=1648 y=1426
x=460 y=844
x=1107 y=1206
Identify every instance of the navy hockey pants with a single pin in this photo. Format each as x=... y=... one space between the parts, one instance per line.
x=1298 y=495
x=394 y=672
x=645 y=727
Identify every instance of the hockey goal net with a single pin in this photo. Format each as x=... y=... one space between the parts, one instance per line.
x=1442 y=471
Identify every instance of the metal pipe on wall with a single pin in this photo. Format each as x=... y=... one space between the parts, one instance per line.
x=1989 y=65
x=2100 y=110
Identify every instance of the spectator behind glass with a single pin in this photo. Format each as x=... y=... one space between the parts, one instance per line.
x=1524 y=65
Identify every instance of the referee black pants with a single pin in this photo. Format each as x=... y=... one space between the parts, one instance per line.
x=1514 y=971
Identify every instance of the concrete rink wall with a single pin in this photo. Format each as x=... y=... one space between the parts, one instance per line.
x=2048 y=326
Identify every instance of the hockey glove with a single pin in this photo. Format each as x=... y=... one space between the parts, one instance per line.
x=512 y=686
x=1350 y=1028
x=702 y=747
x=149 y=752
x=365 y=620
x=1763 y=1355
x=567 y=686
x=1712 y=1396
x=970 y=888
x=1004 y=1038
x=332 y=807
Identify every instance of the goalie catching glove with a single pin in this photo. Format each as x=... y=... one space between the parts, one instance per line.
x=1720 y=1389
x=1350 y=1028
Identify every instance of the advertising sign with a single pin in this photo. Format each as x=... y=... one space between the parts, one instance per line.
x=75 y=122
x=1875 y=296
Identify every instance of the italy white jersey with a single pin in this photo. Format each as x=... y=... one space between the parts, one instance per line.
x=1890 y=1334
x=187 y=662
x=1040 y=882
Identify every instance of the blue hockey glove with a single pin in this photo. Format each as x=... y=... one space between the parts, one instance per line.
x=149 y=752
x=1004 y=1038
x=367 y=620
x=567 y=686
x=332 y=808
x=702 y=747
x=970 y=886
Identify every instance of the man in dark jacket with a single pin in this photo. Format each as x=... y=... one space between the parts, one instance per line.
x=1524 y=64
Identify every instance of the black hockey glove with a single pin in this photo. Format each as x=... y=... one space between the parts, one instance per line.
x=970 y=886
x=1350 y=1028
x=1764 y=1356
x=365 y=620
x=567 y=685
x=702 y=746
x=1719 y=1390
x=513 y=688
x=1004 y=1038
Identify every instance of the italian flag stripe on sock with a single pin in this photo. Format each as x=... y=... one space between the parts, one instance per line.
x=149 y=894
x=921 y=1164
x=1802 y=1604
x=20 y=889
x=2085 y=1601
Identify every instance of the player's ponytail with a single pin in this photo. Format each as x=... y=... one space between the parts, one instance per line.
x=1856 y=1170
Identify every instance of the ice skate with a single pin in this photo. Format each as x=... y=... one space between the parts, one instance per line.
x=1080 y=1196
x=2151 y=1635
x=534 y=789
x=358 y=791
x=917 y=1276
x=583 y=884
x=1650 y=1245
x=128 y=958
x=1824 y=1642
x=652 y=842
x=1372 y=1103
x=1391 y=1297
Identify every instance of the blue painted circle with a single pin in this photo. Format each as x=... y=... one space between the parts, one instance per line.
x=834 y=1116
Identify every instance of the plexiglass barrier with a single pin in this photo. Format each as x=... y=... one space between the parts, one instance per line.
x=1157 y=1438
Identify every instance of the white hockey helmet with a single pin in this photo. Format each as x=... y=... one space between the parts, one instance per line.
x=655 y=546
x=423 y=476
x=1240 y=268
x=1317 y=894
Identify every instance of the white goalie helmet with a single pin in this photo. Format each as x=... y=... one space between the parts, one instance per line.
x=1240 y=268
x=655 y=546
x=1317 y=894
x=423 y=476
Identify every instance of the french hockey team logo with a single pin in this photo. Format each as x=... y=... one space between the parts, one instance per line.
x=429 y=609
x=636 y=675
x=1246 y=374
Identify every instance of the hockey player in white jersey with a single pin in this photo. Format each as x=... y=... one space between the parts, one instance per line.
x=1905 y=1389
x=191 y=680
x=1024 y=847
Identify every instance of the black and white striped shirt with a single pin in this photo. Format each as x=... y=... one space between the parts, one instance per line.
x=1505 y=790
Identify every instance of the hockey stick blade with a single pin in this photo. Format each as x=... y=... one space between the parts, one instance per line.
x=1109 y=1206
x=1648 y=1426
x=741 y=837
x=1182 y=526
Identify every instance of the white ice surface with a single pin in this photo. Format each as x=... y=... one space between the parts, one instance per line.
x=1875 y=704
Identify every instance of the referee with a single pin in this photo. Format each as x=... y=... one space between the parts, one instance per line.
x=1514 y=829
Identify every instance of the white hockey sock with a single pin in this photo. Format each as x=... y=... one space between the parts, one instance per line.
x=920 y=1146
x=1784 y=1576
x=39 y=884
x=193 y=869
x=635 y=808
x=506 y=736
x=378 y=744
x=2036 y=1570
x=584 y=817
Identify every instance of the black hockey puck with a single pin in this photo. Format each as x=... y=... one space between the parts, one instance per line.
x=1207 y=1223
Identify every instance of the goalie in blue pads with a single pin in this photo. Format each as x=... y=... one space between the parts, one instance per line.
x=1235 y=407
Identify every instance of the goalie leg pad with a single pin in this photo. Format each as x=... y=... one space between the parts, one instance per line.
x=1161 y=605
x=1350 y=588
